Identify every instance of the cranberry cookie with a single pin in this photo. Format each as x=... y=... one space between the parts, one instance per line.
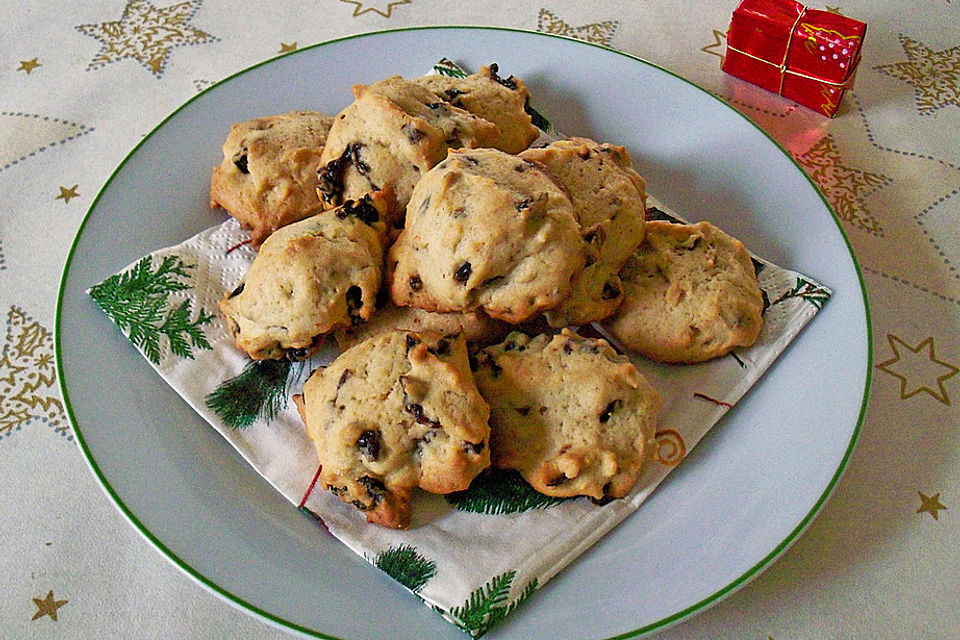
x=309 y=278
x=395 y=412
x=395 y=131
x=502 y=101
x=486 y=230
x=609 y=202
x=268 y=175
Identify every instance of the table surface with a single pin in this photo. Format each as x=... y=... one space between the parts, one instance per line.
x=880 y=561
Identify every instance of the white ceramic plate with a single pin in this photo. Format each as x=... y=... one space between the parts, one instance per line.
x=738 y=501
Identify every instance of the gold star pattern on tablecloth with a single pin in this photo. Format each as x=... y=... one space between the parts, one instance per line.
x=918 y=369
x=29 y=65
x=47 y=606
x=935 y=75
x=596 y=32
x=146 y=33
x=28 y=377
x=715 y=48
x=67 y=193
x=930 y=504
x=845 y=187
x=287 y=48
x=384 y=8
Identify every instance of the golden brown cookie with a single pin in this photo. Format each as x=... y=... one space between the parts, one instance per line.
x=309 y=278
x=395 y=131
x=502 y=101
x=690 y=294
x=567 y=412
x=395 y=412
x=268 y=177
x=609 y=201
x=486 y=230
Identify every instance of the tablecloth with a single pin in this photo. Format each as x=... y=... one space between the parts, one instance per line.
x=82 y=82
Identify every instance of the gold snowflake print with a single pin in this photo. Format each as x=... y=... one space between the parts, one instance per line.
x=596 y=32
x=28 y=377
x=146 y=33
x=935 y=75
x=845 y=188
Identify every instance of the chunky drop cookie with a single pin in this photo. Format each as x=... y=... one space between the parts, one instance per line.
x=475 y=326
x=268 y=177
x=395 y=131
x=569 y=413
x=486 y=230
x=609 y=201
x=395 y=412
x=691 y=294
x=502 y=101
x=309 y=278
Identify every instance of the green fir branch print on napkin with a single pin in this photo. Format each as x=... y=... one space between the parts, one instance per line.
x=487 y=605
x=405 y=565
x=447 y=67
x=806 y=290
x=499 y=492
x=138 y=302
x=257 y=392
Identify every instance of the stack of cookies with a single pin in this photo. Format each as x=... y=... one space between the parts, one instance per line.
x=453 y=263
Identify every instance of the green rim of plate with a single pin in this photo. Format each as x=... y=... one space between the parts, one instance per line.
x=710 y=600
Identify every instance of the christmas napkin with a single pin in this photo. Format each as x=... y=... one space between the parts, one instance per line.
x=473 y=556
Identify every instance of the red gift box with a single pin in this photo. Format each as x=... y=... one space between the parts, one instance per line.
x=806 y=55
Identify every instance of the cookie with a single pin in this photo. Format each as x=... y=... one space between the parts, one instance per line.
x=395 y=412
x=690 y=295
x=309 y=278
x=393 y=133
x=502 y=101
x=268 y=175
x=572 y=416
x=486 y=230
x=475 y=326
x=609 y=202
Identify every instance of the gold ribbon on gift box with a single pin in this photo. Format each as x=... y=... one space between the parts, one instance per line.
x=782 y=66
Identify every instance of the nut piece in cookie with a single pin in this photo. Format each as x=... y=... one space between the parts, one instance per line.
x=569 y=413
x=309 y=278
x=395 y=412
x=690 y=295
x=268 y=175
x=609 y=201
x=393 y=133
x=486 y=230
x=502 y=101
